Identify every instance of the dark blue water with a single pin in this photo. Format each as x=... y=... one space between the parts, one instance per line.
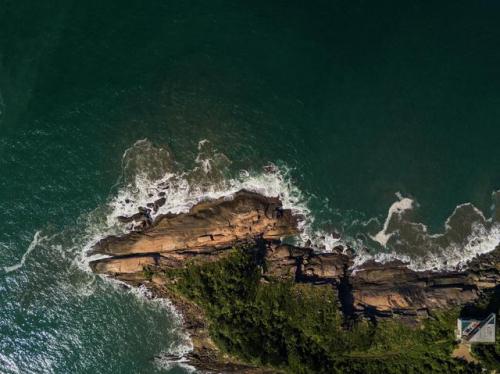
x=360 y=100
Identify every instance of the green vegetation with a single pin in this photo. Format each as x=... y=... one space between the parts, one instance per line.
x=147 y=272
x=298 y=327
x=489 y=354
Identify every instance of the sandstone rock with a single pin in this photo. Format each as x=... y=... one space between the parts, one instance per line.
x=287 y=261
x=392 y=288
x=206 y=232
x=326 y=266
x=123 y=265
x=281 y=262
x=486 y=284
x=213 y=224
x=209 y=229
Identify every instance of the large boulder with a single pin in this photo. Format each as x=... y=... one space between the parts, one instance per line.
x=393 y=288
x=123 y=265
x=206 y=232
x=287 y=261
x=213 y=224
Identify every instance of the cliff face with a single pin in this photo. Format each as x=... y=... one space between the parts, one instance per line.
x=383 y=290
x=390 y=288
x=206 y=233
x=210 y=228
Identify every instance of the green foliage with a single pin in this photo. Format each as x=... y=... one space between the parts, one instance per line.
x=298 y=327
x=147 y=273
x=489 y=354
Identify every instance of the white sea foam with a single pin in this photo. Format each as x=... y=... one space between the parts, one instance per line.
x=397 y=208
x=167 y=361
x=184 y=188
x=181 y=346
x=467 y=234
x=176 y=355
x=150 y=173
x=37 y=239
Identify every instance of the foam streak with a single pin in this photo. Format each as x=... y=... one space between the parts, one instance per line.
x=37 y=239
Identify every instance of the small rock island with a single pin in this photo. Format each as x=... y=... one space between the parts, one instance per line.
x=253 y=304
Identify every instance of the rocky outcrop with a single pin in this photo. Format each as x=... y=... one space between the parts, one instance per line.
x=382 y=290
x=210 y=228
x=387 y=289
x=203 y=234
x=124 y=265
x=392 y=288
x=304 y=265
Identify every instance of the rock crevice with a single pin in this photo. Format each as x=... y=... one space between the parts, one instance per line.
x=247 y=219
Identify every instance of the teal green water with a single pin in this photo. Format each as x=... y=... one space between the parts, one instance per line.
x=360 y=99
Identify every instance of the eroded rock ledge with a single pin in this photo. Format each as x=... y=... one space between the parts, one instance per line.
x=210 y=228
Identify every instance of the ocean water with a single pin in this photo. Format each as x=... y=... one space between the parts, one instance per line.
x=380 y=123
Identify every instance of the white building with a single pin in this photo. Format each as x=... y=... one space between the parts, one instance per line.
x=476 y=331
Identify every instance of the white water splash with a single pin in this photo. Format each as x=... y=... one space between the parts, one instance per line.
x=454 y=257
x=182 y=189
x=150 y=174
x=37 y=239
x=176 y=355
x=397 y=208
x=467 y=234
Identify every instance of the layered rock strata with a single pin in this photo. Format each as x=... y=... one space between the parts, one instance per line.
x=210 y=228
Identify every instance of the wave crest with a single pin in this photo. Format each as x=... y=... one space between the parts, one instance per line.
x=151 y=174
x=467 y=233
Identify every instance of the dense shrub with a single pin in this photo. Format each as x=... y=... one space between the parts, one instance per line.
x=298 y=327
x=489 y=354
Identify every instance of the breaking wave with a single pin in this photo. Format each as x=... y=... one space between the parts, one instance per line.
x=37 y=239
x=181 y=346
x=151 y=178
x=154 y=178
x=467 y=233
x=149 y=175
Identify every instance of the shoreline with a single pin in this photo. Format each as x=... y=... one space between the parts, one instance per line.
x=206 y=234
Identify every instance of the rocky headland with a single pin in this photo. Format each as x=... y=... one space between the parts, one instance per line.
x=209 y=232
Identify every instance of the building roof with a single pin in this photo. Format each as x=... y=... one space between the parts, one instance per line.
x=477 y=331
